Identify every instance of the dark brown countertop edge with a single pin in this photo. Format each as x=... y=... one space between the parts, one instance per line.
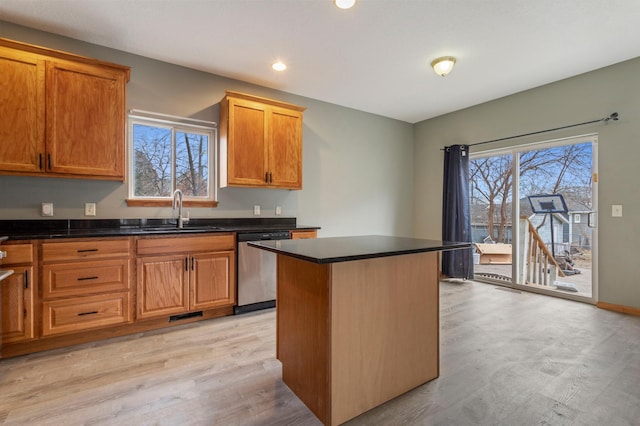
x=296 y=249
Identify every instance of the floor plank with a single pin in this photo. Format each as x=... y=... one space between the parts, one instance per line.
x=506 y=358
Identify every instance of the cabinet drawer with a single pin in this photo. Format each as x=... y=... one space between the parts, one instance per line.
x=82 y=313
x=81 y=250
x=17 y=253
x=165 y=245
x=299 y=235
x=83 y=278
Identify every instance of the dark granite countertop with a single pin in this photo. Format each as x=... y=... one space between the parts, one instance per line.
x=343 y=249
x=62 y=228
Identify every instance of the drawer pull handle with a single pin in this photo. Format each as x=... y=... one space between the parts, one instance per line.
x=87 y=278
x=87 y=313
x=86 y=250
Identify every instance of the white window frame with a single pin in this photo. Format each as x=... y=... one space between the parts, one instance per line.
x=184 y=125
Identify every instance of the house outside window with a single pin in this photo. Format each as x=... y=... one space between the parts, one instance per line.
x=165 y=156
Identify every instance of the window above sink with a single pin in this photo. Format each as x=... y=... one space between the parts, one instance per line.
x=168 y=153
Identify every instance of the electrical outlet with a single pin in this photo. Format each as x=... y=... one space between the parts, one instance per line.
x=89 y=209
x=616 y=210
x=278 y=210
x=47 y=209
x=256 y=210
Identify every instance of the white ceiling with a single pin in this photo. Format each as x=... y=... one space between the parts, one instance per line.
x=374 y=57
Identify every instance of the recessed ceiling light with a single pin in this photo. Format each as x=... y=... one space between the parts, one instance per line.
x=279 y=66
x=344 y=4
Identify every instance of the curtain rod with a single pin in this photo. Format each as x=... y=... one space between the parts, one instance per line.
x=613 y=116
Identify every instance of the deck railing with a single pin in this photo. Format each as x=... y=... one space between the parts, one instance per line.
x=540 y=267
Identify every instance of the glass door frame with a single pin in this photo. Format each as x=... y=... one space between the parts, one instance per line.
x=515 y=151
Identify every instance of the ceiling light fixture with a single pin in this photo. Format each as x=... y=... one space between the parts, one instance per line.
x=344 y=4
x=443 y=66
x=279 y=66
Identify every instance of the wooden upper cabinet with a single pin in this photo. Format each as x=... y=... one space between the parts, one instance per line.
x=285 y=149
x=85 y=120
x=260 y=142
x=61 y=114
x=21 y=111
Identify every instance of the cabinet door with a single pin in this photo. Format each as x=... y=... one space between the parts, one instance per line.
x=21 y=111
x=212 y=280
x=246 y=138
x=162 y=286
x=85 y=109
x=17 y=306
x=285 y=149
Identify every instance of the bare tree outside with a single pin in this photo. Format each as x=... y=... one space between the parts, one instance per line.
x=562 y=170
x=192 y=163
x=157 y=157
x=153 y=164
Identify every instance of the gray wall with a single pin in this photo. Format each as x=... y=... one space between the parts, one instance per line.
x=574 y=100
x=357 y=167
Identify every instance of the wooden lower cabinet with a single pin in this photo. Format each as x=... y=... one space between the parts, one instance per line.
x=17 y=305
x=212 y=280
x=300 y=235
x=83 y=278
x=84 y=313
x=163 y=286
x=85 y=284
x=197 y=279
x=88 y=289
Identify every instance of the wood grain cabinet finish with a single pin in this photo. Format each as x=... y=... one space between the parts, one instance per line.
x=162 y=286
x=82 y=278
x=182 y=274
x=260 y=142
x=85 y=284
x=17 y=305
x=18 y=294
x=211 y=279
x=84 y=313
x=21 y=111
x=61 y=114
x=299 y=235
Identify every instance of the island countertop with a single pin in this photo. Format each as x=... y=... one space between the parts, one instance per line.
x=344 y=249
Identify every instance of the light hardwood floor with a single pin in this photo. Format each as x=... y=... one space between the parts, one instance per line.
x=507 y=358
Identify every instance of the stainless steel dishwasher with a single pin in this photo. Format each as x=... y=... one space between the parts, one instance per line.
x=256 y=272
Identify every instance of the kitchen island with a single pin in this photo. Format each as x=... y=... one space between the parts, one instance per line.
x=357 y=319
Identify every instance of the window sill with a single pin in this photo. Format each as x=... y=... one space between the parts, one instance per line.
x=168 y=203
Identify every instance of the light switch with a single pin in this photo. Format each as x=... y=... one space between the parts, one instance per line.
x=278 y=210
x=616 y=210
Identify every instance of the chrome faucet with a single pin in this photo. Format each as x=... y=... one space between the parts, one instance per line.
x=177 y=204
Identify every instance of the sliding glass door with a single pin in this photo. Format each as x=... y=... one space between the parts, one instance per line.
x=533 y=218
